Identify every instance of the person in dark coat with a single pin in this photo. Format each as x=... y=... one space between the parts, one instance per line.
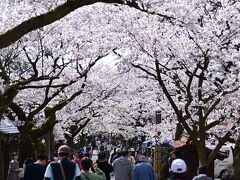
x=112 y=155
x=103 y=165
x=202 y=174
x=28 y=160
x=107 y=152
x=14 y=169
x=118 y=155
x=36 y=170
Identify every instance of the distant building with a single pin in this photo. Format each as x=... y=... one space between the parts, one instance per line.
x=9 y=142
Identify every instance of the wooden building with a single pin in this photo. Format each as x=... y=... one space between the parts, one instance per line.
x=8 y=143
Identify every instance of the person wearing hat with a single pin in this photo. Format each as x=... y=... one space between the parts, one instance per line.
x=63 y=169
x=143 y=170
x=178 y=170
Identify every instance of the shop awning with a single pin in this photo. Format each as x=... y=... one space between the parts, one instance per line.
x=147 y=142
x=8 y=128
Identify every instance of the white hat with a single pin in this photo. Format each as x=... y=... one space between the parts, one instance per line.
x=178 y=166
x=118 y=150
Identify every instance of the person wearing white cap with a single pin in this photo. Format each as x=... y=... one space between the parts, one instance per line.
x=178 y=170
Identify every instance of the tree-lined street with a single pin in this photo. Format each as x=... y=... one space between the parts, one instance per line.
x=72 y=71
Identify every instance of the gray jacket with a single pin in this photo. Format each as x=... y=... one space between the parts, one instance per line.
x=122 y=168
x=13 y=170
x=202 y=177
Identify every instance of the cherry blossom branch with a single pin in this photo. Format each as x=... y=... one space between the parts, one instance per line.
x=171 y=101
x=213 y=124
x=189 y=94
x=217 y=101
x=59 y=12
x=144 y=70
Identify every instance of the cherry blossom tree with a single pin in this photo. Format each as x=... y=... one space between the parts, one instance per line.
x=130 y=110
x=35 y=104
x=55 y=12
x=190 y=49
x=195 y=60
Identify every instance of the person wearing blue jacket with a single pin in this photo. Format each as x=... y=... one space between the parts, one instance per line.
x=143 y=170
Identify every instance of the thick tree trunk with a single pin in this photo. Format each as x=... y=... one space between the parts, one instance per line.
x=70 y=142
x=201 y=150
x=3 y=106
x=25 y=146
x=179 y=131
x=82 y=140
x=6 y=99
x=28 y=135
x=236 y=160
x=1 y=162
x=14 y=34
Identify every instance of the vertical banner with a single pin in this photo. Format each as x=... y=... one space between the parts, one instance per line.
x=157 y=160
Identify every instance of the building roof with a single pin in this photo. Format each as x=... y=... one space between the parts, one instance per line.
x=8 y=128
x=185 y=143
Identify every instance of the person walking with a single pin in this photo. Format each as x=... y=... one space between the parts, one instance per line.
x=36 y=170
x=28 y=160
x=64 y=169
x=178 y=170
x=131 y=156
x=143 y=170
x=122 y=167
x=113 y=153
x=86 y=174
x=107 y=152
x=103 y=164
x=117 y=155
x=202 y=174
x=14 y=169
x=173 y=155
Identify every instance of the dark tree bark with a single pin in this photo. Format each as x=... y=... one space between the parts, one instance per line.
x=1 y=162
x=14 y=34
x=236 y=159
x=179 y=131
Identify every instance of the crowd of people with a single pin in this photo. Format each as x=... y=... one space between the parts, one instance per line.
x=124 y=163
